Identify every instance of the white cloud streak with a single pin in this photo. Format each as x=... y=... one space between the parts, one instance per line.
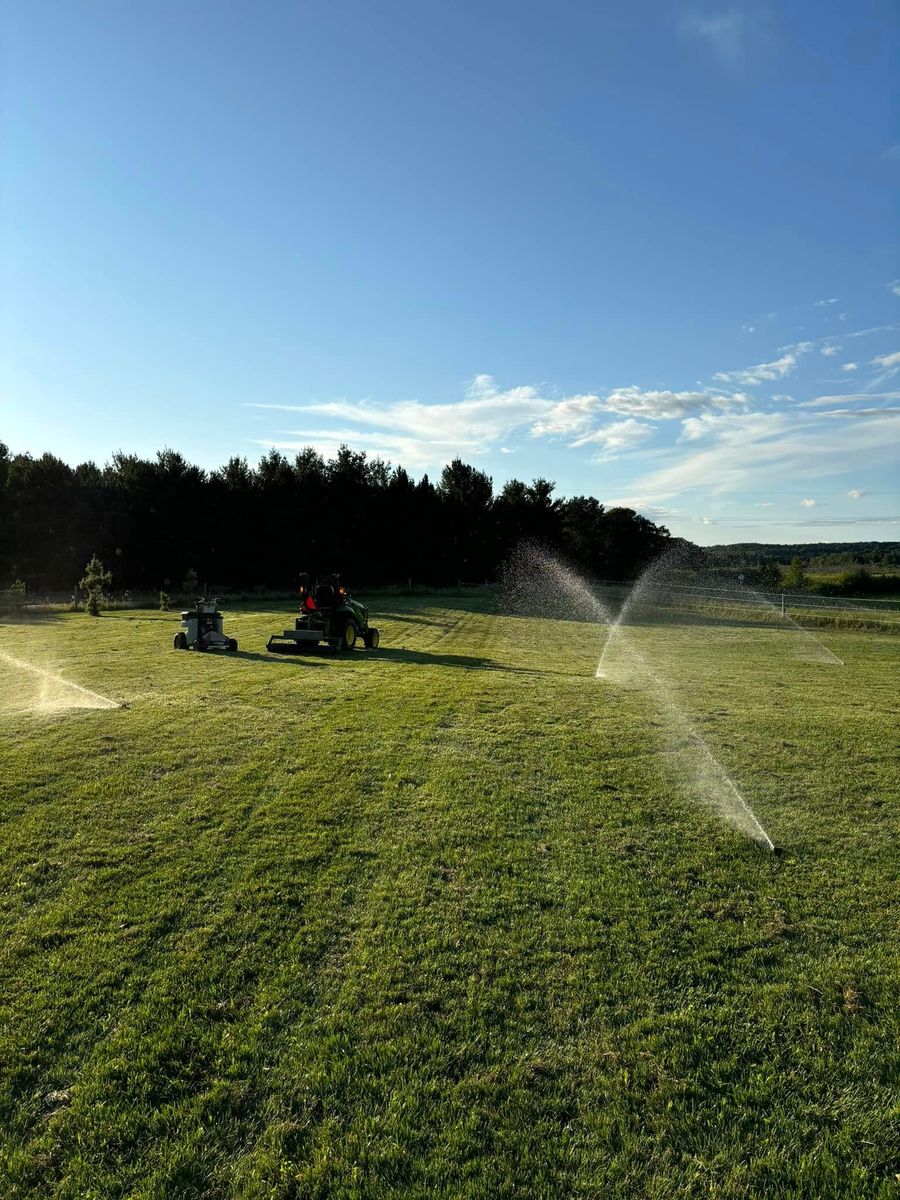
x=424 y=435
x=734 y=452
x=767 y=371
x=665 y=405
x=615 y=438
x=726 y=33
x=852 y=398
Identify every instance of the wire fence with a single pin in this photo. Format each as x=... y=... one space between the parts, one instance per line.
x=782 y=601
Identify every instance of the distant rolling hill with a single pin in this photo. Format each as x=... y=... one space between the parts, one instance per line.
x=832 y=553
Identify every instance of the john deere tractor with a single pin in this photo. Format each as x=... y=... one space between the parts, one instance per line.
x=329 y=615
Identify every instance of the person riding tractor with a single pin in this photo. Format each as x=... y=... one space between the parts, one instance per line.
x=329 y=614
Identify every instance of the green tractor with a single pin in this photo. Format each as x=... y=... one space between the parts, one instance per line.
x=329 y=614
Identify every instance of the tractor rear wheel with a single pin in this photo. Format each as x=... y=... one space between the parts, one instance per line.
x=232 y=645
x=180 y=642
x=348 y=637
x=371 y=638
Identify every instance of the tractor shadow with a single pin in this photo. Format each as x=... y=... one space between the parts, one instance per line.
x=369 y=659
x=309 y=659
x=425 y=658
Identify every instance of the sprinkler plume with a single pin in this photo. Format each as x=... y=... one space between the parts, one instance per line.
x=533 y=578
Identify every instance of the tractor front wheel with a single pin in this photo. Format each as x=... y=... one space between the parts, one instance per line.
x=371 y=638
x=232 y=645
x=348 y=637
x=180 y=642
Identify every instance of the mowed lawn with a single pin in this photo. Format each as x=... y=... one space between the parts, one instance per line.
x=445 y=920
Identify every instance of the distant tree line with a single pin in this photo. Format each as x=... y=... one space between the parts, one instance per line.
x=811 y=554
x=768 y=568
x=152 y=521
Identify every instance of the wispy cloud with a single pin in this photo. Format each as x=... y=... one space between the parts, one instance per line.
x=425 y=435
x=766 y=371
x=728 y=437
x=731 y=452
x=710 y=425
x=809 y=503
x=857 y=333
x=665 y=405
x=565 y=417
x=857 y=414
x=841 y=523
x=888 y=365
x=856 y=493
x=823 y=303
x=825 y=401
x=615 y=438
x=894 y=286
x=728 y=34
x=802 y=523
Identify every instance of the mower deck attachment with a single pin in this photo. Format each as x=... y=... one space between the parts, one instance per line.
x=294 y=641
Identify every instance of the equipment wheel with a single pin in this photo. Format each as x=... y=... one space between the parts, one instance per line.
x=232 y=645
x=180 y=642
x=348 y=636
x=371 y=638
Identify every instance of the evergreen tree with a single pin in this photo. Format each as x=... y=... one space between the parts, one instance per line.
x=94 y=580
x=245 y=526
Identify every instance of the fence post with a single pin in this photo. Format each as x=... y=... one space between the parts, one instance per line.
x=782 y=603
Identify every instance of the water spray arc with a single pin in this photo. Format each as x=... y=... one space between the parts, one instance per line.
x=712 y=784
x=821 y=654
x=662 y=572
x=614 y=632
x=56 y=692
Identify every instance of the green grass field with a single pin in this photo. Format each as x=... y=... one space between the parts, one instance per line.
x=446 y=920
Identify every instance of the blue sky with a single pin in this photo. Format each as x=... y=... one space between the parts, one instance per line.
x=648 y=251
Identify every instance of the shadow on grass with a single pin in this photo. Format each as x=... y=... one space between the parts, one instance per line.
x=36 y=616
x=406 y=618
x=462 y=662
x=362 y=659
x=309 y=658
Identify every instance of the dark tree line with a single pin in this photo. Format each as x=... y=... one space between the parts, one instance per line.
x=151 y=521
